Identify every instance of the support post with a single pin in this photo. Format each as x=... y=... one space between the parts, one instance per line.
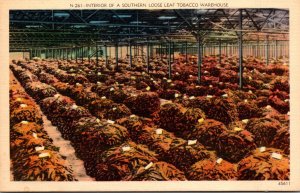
x=67 y=51
x=199 y=61
x=173 y=52
x=147 y=55
x=89 y=54
x=76 y=54
x=160 y=51
x=130 y=54
x=267 y=50
x=30 y=54
x=240 y=49
x=257 y=48
x=121 y=53
x=220 y=51
x=81 y=55
x=97 y=59
x=186 y=54
x=276 y=47
x=117 y=54
x=169 y=60
x=105 y=50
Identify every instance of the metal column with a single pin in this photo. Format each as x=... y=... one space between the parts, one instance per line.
x=267 y=50
x=130 y=54
x=160 y=51
x=173 y=54
x=117 y=55
x=89 y=54
x=81 y=55
x=186 y=55
x=97 y=59
x=240 y=36
x=199 y=61
x=169 y=60
x=220 y=51
x=76 y=54
x=121 y=53
x=106 y=57
x=276 y=47
x=257 y=48
x=147 y=59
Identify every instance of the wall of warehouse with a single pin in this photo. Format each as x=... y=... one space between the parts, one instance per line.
x=278 y=50
x=18 y=55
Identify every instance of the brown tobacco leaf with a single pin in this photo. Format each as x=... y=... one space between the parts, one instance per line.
x=170 y=116
x=28 y=113
x=223 y=110
x=183 y=155
x=235 y=145
x=264 y=130
x=41 y=169
x=209 y=169
x=282 y=140
x=262 y=166
x=247 y=110
x=144 y=104
x=117 y=163
x=159 y=171
x=207 y=132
